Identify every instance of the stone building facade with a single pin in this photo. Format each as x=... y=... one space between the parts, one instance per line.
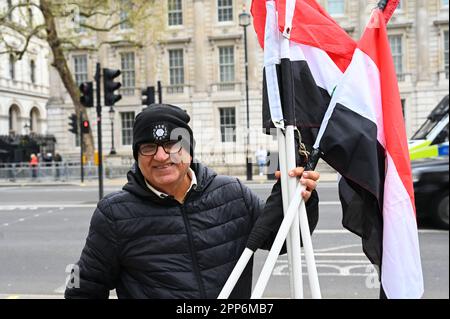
x=200 y=63
x=24 y=83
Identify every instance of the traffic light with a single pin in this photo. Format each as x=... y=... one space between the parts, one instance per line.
x=148 y=95
x=73 y=123
x=87 y=94
x=85 y=127
x=110 y=86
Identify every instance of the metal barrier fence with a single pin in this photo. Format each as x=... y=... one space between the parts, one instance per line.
x=61 y=171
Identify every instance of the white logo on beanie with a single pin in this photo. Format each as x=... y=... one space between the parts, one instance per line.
x=160 y=132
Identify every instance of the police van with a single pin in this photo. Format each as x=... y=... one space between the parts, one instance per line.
x=431 y=139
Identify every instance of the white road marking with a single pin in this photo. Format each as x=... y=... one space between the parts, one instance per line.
x=39 y=206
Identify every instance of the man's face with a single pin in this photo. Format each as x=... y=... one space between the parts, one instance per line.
x=163 y=170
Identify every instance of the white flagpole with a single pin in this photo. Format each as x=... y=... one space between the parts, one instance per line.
x=236 y=274
x=294 y=233
x=295 y=285
x=309 y=254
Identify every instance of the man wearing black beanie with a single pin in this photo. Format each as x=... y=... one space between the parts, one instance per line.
x=177 y=229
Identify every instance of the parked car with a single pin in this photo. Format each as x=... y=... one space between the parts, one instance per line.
x=430 y=177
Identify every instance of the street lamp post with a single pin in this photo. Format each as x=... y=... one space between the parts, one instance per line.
x=111 y=117
x=244 y=21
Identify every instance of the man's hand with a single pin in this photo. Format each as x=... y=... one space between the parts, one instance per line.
x=309 y=179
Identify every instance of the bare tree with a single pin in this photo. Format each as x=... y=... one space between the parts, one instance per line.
x=57 y=21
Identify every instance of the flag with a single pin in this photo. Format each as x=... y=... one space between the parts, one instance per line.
x=363 y=137
x=312 y=66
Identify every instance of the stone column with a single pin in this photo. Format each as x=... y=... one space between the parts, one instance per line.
x=199 y=46
x=423 y=63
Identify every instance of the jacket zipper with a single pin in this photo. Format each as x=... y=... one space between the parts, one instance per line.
x=194 y=256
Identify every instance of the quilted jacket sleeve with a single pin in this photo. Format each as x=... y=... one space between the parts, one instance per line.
x=94 y=275
x=268 y=216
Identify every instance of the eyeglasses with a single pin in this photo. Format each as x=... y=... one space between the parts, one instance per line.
x=150 y=149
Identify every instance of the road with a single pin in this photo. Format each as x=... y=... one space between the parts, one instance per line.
x=43 y=229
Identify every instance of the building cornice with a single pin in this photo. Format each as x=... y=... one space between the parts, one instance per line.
x=185 y=40
x=24 y=93
x=400 y=25
x=440 y=22
x=224 y=37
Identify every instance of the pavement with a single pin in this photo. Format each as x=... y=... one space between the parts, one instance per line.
x=324 y=177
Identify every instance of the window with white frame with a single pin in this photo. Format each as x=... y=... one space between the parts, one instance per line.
x=226 y=66
x=336 y=7
x=175 y=12
x=127 y=119
x=228 y=124
x=444 y=3
x=176 y=71
x=225 y=10
x=396 y=43
x=80 y=68
x=128 y=73
x=446 y=62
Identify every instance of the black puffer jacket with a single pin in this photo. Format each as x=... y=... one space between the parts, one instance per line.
x=148 y=247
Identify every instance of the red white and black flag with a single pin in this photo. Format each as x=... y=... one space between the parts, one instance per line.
x=363 y=137
x=309 y=67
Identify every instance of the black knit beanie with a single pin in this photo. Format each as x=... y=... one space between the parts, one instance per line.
x=160 y=123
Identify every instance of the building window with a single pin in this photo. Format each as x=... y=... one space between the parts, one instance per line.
x=14 y=115
x=128 y=73
x=176 y=71
x=125 y=7
x=336 y=7
x=446 y=52
x=30 y=17
x=80 y=20
x=396 y=42
x=226 y=65
x=127 y=127
x=80 y=68
x=228 y=124
x=9 y=10
x=32 y=71
x=225 y=10
x=445 y=3
x=12 y=67
x=175 y=12
x=403 y=102
x=34 y=120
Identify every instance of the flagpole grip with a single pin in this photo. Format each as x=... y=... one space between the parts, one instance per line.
x=313 y=160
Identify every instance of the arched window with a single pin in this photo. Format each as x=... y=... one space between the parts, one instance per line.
x=32 y=71
x=34 y=120
x=14 y=115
